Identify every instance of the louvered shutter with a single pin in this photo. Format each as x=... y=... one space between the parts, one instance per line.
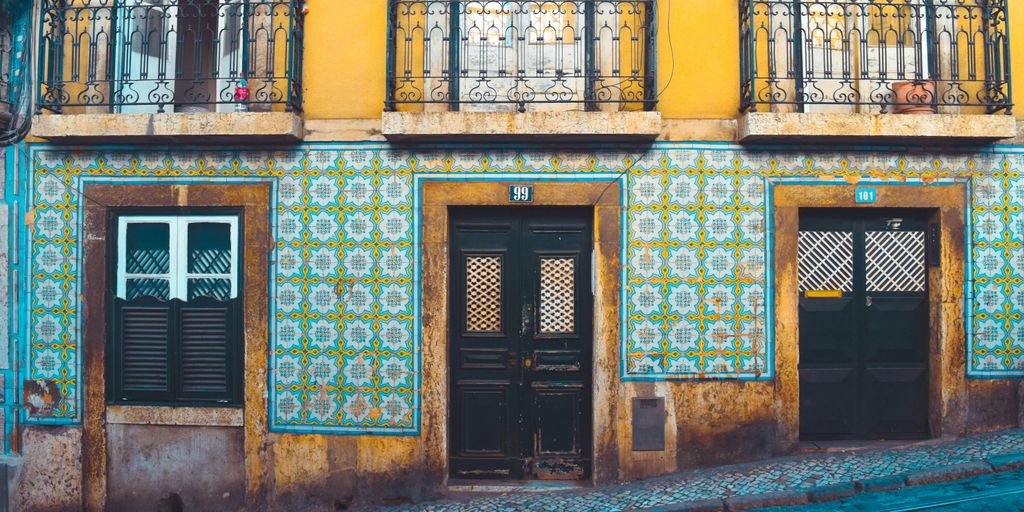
x=145 y=334
x=176 y=326
x=206 y=332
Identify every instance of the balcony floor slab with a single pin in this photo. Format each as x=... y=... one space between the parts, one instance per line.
x=203 y=128
x=529 y=126
x=756 y=127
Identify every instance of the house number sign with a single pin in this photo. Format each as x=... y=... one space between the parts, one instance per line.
x=866 y=195
x=520 y=193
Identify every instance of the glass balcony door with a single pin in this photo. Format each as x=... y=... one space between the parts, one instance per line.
x=179 y=55
x=853 y=52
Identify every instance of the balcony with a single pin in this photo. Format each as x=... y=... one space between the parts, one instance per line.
x=170 y=68
x=521 y=68
x=846 y=69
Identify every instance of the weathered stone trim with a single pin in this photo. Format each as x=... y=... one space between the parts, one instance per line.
x=948 y=393
x=604 y=196
x=254 y=199
x=175 y=416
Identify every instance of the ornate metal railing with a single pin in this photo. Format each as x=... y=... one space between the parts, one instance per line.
x=875 y=54
x=520 y=54
x=170 y=55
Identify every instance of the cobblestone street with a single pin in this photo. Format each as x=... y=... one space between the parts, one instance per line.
x=788 y=480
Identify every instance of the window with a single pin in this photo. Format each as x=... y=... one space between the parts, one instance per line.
x=175 y=328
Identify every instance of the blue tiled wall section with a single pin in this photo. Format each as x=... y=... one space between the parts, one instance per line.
x=345 y=349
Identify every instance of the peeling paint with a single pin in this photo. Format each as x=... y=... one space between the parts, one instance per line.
x=41 y=397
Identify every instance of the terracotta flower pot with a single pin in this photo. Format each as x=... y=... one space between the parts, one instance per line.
x=917 y=97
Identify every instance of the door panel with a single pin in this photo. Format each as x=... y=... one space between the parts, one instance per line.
x=863 y=324
x=483 y=425
x=520 y=336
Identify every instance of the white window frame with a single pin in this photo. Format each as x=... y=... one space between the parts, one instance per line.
x=178 y=274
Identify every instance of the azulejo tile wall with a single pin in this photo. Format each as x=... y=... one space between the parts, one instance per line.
x=345 y=353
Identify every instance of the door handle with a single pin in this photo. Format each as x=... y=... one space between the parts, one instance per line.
x=867 y=301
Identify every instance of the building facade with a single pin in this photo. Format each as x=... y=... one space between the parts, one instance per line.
x=276 y=254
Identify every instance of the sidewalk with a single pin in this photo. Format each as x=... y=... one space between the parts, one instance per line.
x=783 y=481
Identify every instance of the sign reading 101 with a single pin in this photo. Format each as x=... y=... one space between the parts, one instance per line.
x=520 y=193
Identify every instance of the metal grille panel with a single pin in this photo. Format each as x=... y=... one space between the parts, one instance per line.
x=894 y=261
x=825 y=260
x=557 y=295
x=483 y=294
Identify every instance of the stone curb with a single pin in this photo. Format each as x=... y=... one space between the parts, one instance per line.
x=1007 y=462
x=947 y=473
x=771 y=499
x=880 y=484
x=713 y=505
x=834 y=492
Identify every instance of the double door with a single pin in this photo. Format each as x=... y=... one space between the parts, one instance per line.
x=520 y=337
x=863 y=324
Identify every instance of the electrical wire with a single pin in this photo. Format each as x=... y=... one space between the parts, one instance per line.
x=20 y=123
x=671 y=50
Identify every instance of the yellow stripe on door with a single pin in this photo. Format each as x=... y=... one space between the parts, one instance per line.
x=823 y=294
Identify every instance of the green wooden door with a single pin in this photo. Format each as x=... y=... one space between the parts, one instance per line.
x=863 y=324
x=520 y=338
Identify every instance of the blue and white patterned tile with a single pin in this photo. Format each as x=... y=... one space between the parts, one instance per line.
x=344 y=243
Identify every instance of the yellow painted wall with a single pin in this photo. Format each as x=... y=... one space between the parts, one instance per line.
x=1017 y=55
x=345 y=58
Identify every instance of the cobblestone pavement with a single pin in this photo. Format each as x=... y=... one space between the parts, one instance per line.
x=794 y=473
x=1001 y=492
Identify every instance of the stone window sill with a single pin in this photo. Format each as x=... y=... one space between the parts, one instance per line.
x=535 y=126
x=891 y=128
x=209 y=127
x=177 y=416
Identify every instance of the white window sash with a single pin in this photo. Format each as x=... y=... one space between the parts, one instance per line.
x=178 y=275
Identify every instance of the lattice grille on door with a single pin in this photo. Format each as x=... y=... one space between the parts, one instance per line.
x=894 y=261
x=557 y=295
x=483 y=294
x=825 y=260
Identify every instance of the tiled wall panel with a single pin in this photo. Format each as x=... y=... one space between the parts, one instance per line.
x=345 y=349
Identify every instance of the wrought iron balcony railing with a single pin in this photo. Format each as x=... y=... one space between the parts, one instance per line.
x=521 y=54
x=875 y=55
x=170 y=55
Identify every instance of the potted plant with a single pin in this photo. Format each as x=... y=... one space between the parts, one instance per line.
x=914 y=97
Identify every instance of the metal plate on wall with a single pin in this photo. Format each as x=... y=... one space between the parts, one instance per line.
x=648 y=424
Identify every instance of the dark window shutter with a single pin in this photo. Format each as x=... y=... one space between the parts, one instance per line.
x=145 y=335
x=205 y=350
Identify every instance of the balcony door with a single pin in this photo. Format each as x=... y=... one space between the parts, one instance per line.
x=512 y=51
x=178 y=55
x=852 y=52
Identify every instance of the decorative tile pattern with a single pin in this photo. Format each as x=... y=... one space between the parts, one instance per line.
x=345 y=349
x=696 y=280
x=997 y=273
